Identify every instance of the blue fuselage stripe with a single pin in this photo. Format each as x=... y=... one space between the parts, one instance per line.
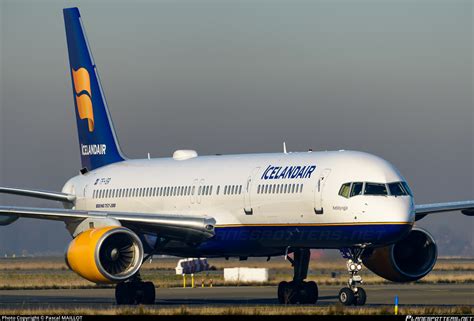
x=259 y=239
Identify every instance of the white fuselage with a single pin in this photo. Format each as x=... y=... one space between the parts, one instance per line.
x=255 y=191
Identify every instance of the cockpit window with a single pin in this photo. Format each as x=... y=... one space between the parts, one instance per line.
x=360 y=188
x=375 y=189
x=356 y=189
x=407 y=188
x=344 y=191
x=397 y=189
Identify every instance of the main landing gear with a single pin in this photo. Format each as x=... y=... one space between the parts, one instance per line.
x=353 y=294
x=298 y=290
x=135 y=291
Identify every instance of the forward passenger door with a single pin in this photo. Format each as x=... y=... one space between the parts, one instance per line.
x=319 y=191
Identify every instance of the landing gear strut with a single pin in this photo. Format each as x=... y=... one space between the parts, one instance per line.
x=353 y=294
x=298 y=290
x=135 y=291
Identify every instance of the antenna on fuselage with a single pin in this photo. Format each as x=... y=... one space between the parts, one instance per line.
x=284 y=148
x=149 y=156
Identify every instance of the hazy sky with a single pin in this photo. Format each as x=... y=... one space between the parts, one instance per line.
x=394 y=78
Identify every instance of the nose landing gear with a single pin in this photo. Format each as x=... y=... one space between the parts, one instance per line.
x=353 y=294
x=298 y=290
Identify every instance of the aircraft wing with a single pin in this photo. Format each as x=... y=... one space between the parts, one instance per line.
x=55 y=196
x=178 y=227
x=466 y=207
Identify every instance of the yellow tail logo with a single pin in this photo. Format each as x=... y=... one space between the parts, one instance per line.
x=82 y=88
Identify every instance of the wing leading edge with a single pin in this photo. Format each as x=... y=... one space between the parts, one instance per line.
x=173 y=226
x=466 y=207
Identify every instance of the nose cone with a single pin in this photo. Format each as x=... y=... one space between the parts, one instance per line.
x=396 y=209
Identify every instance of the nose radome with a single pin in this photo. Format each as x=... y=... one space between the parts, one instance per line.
x=403 y=209
x=392 y=209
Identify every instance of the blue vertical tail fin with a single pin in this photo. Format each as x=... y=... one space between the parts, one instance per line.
x=97 y=140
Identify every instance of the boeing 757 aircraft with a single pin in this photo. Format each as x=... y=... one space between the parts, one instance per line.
x=121 y=211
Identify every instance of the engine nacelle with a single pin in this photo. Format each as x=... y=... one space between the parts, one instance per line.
x=105 y=255
x=407 y=260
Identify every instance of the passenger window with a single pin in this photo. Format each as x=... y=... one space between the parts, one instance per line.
x=356 y=189
x=375 y=189
x=345 y=189
x=218 y=189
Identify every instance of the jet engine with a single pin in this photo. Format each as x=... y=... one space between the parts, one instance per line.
x=105 y=255
x=408 y=260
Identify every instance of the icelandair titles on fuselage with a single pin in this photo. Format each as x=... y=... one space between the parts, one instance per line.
x=93 y=149
x=287 y=172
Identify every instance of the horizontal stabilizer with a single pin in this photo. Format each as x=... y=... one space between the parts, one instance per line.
x=55 y=196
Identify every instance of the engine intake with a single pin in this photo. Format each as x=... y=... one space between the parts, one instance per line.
x=105 y=255
x=408 y=260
